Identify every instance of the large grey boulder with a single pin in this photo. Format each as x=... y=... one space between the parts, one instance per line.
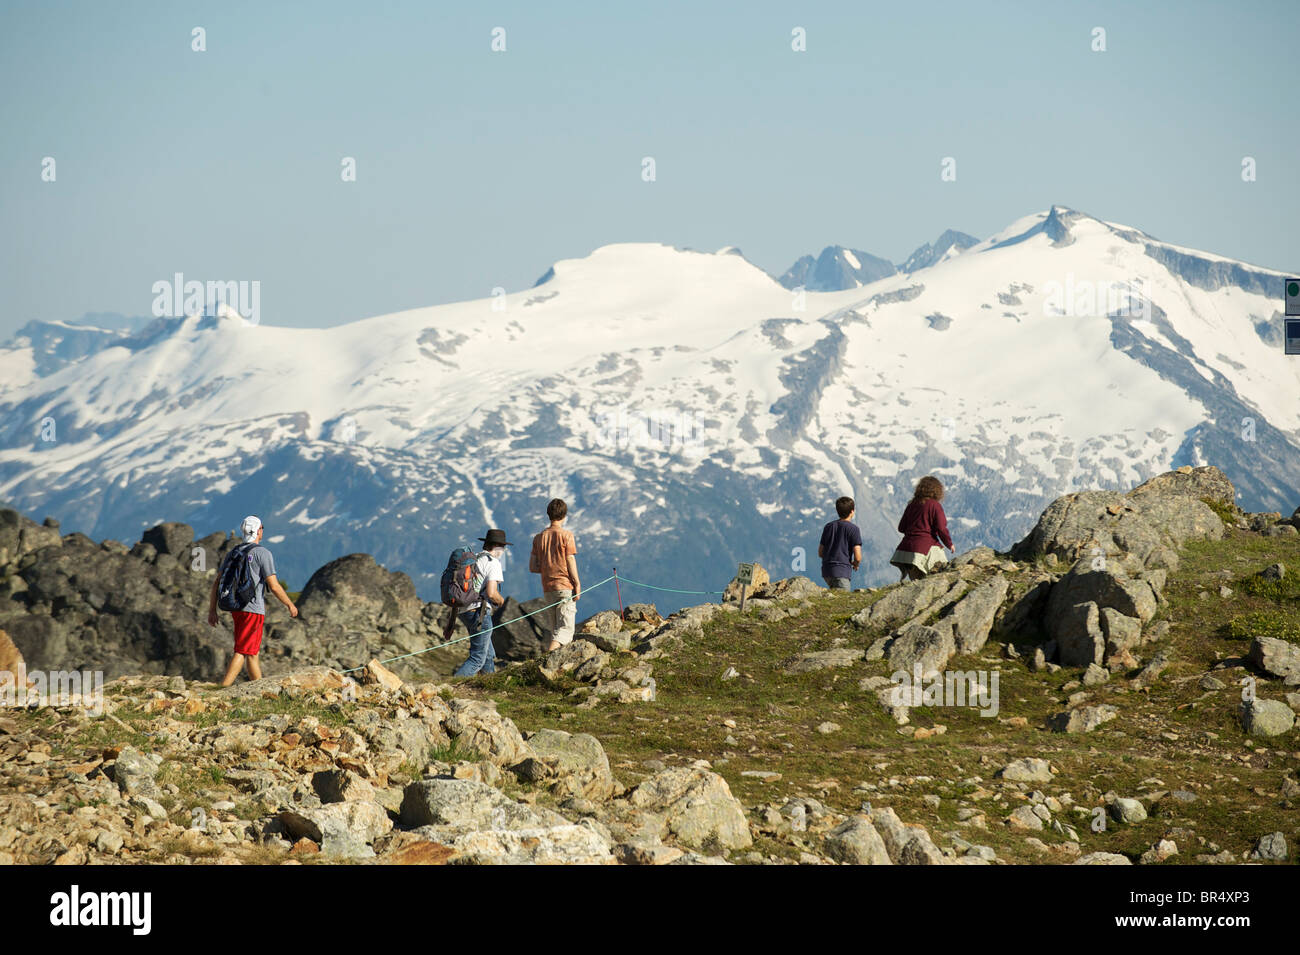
x=1084 y=719
x=576 y=761
x=463 y=805
x=929 y=648
x=1077 y=632
x=580 y=844
x=697 y=806
x=1276 y=658
x=476 y=725
x=1144 y=527
x=856 y=842
x=1198 y=483
x=343 y=829
x=516 y=636
x=906 y=845
x=1110 y=587
x=1266 y=717
x=356 y=591
x=973 y=615
x=912 y=599
x=170 y=538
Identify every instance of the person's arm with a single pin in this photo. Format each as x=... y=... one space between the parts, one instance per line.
x=534 y=567
x=857 y=556
x=941 y=525
x=273 y=585
x=573 y=575
x=212 y=602
x=493 y=595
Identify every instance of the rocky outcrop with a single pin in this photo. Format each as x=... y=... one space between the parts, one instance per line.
x=70 y=603
x=1142 y=528
x=354 y=591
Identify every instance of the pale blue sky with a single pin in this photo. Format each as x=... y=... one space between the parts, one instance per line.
x=478 y=169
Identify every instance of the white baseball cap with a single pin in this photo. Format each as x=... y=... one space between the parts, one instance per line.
x=250 y=527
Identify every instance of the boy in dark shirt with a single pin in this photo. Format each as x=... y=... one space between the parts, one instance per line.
x=841 y=547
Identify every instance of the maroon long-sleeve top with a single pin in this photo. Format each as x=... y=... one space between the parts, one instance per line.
x=923 y=525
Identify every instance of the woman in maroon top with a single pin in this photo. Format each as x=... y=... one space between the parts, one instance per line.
x=924 y=527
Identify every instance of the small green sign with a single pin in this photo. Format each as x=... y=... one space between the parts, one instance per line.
x=745 y=574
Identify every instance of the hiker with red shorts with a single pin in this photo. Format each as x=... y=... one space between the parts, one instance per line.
x=251 y=615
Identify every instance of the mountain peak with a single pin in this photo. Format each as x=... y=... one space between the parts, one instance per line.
x=950 y=243
x=835 y=269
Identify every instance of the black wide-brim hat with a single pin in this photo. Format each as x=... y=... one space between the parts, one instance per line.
x=495 y=537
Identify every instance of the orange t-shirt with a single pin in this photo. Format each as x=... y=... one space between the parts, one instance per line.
x=551 y=551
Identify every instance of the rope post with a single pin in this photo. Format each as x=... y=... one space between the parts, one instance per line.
x=618 y=590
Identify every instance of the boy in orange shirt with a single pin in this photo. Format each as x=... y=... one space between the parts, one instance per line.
x=554 y=557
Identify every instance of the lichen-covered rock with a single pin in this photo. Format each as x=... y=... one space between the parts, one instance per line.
x=698 y=808
x=476 y=725
x=554 y=845
x=577 y=761
x=856 y=842
x=912 y=599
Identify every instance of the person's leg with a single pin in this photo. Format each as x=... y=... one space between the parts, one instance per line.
x=568 y=615
x=489 y=649
x=232 y=671
x=474 y=661
x=551 y=618
x=254 y=669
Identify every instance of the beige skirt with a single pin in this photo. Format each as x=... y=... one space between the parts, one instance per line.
x=926 y=563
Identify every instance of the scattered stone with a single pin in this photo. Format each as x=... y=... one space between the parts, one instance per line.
x=1271 y=847
x=824 y=660
x=1128 y=810
x=1085 y=719
x=1266 y=717
x=856 y=842
x=1030 y=769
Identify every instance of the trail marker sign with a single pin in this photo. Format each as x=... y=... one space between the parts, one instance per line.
x=1292 y=297
x=745 y=577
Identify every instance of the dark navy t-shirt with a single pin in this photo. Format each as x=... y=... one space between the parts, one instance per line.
x=838 y=540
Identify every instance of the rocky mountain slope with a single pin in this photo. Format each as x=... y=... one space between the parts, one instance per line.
x=659 y=390
x=1144 y=646
x=71 y=603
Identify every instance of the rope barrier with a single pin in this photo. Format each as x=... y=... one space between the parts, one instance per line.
x=494 y=626
x=669 y=590
x=616 y=577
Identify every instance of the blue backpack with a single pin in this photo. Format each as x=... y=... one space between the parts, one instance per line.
x=462 y=581
x=238 y=584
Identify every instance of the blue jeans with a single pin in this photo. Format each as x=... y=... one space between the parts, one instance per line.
x=838 y=583
x=482 y=654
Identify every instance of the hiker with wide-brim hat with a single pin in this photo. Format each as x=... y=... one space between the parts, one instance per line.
x=478 y=617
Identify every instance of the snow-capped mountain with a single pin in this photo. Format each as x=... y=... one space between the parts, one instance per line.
x=836 y=269
x=945 y=247
x=680 y=401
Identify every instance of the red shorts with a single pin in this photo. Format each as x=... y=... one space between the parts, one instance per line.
x=248 y=632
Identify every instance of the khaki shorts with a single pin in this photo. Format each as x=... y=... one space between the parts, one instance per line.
x=926 y=563
x=559 y=621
